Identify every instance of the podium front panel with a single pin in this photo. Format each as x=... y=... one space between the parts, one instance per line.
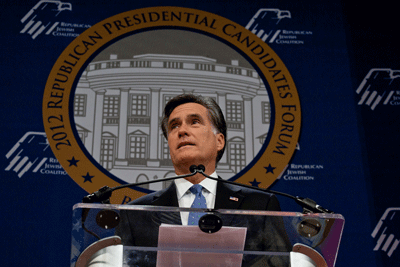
x=154 y=236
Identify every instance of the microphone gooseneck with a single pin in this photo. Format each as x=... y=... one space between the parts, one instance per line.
x=308 y=205
x=103 y=194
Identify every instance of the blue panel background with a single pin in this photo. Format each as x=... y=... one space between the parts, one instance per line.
x=357 y=147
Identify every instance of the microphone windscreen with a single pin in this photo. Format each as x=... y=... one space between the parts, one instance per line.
x=193 y=168
x=201 y=168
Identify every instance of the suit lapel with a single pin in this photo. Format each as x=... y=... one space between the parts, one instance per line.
x=166 y=198
x=228 y=196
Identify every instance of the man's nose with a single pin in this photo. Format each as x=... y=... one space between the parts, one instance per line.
x=183 y=130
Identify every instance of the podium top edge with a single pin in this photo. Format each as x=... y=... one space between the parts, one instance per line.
x=221 y=211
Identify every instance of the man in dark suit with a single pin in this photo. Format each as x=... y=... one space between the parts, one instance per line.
x=196 y=132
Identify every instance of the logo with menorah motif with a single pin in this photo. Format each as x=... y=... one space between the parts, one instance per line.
x=379 y=87
x=387 y=232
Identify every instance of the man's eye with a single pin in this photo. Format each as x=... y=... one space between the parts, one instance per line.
x=196 y=121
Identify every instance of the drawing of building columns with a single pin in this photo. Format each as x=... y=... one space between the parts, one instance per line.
x=123 y=128
x=223 y=163
x=98 y=124
x=248 y=128
x=124 y=99
x=154 y=161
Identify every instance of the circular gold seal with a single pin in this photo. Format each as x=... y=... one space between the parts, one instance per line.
x=90 y=171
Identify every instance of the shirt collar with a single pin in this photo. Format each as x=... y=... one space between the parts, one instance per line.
x=183 y=185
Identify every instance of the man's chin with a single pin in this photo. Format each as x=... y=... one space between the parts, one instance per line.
x=186 y=160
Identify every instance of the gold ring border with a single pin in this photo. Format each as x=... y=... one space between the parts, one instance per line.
x=59 y=117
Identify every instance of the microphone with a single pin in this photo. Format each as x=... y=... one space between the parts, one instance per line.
x=103 y=194
x=308 y=205
x=195 y=168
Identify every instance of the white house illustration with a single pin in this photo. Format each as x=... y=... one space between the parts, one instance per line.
x=118 y=106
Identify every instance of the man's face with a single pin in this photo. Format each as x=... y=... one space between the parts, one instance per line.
x=191 y=137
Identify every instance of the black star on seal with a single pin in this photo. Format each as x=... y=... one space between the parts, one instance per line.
x=73 y=162
x=255 y=183
x=87 y=177
x=270 y=169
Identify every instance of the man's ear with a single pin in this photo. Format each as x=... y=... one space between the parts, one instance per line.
x=220 y=141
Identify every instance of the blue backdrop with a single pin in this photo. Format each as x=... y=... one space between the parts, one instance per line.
x=348 y=146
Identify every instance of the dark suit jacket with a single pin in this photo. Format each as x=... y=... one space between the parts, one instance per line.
x=263 y=234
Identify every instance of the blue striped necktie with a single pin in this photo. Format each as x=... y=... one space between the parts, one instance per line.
x=199 y=202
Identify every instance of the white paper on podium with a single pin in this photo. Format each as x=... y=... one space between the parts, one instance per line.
x=185 y=240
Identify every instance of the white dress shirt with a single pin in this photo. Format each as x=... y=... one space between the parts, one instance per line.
x=186 y=198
